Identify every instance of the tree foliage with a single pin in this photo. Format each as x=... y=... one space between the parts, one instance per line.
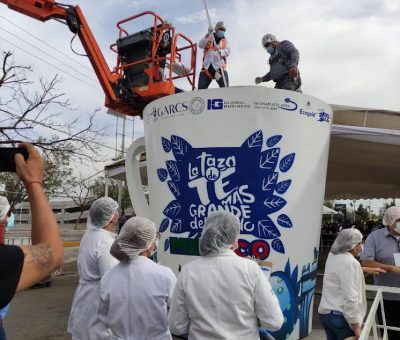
x=362 y=214
x=98 y=189
x=32 y=110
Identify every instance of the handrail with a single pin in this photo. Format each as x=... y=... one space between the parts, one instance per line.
x=370 y=322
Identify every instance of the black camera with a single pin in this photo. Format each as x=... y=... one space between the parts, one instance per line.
x=7 y=162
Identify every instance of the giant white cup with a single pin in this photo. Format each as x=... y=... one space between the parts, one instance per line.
x=256 y=152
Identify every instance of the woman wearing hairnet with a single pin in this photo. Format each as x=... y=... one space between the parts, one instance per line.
x=221 y=295
x=135 y=294
x=94 y=260
x=343 y=303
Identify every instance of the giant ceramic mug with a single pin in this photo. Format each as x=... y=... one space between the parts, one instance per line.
x=256 y=152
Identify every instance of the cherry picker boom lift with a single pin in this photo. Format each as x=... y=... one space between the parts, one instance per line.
x=147 y=61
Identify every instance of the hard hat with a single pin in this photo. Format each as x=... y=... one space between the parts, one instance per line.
x=219 y=25
x=268 y=38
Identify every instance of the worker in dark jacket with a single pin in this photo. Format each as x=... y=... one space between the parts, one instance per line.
x=283 y=64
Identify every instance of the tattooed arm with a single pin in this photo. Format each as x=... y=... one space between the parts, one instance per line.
x=46 y=253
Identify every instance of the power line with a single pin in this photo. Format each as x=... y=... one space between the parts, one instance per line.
x=48 y=54
x=56 y=67
x=48 y=45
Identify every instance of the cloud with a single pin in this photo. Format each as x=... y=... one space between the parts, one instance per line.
x=197 y=17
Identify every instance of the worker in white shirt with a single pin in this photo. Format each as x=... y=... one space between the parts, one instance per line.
x=343 y=303
x=94 y=260
x=221 y=295
x=216 y=50
x=135 y=294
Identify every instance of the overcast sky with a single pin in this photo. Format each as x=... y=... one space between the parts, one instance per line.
x=349 y=49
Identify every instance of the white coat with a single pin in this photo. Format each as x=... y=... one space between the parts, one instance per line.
x=94 y=260
x=220 y=297
x=134 y=300
x=343 y=288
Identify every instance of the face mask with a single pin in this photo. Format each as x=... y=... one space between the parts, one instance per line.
x=152 y=252
x=220 y=34
x=397 y=228
x=270 y=49
x=10 y=222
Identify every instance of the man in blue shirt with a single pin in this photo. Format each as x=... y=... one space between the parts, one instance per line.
x=379 y=250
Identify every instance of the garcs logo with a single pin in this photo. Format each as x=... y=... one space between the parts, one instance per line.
x=243 y=180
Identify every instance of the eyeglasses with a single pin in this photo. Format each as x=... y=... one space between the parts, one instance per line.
x=267 y=45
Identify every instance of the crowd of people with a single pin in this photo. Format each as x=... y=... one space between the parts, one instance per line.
x=365 y=227
x=343 y=303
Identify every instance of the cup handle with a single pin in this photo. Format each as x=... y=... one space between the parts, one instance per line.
x=135 y=186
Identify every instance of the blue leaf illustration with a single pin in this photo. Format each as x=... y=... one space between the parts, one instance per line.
x=254 y=141
x=194 y=233
x=173 y=170
x=287 y=162
x=295 y=274
x=164 y=225
x=287 y=268
x=272 y=141
x=166 y=144
x=269 y=182
x=283 y=186
x=285 y=221
x=267 y=229
x=172 y=209
x=162 y=174
x=274 y=203
x=277 y=245
x=176 y=226
x=179 y=147
x=269 y=159
x=166 y=244
x=174 y=187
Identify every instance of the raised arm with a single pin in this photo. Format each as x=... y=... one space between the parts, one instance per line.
x=46 y=254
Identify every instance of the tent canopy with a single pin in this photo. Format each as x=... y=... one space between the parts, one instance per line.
x=329 y=211
x=364 y=156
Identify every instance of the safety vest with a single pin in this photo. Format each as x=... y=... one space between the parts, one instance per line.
x=210 y=46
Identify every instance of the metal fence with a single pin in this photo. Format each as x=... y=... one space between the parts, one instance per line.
x=18 y=241
x=371 y=324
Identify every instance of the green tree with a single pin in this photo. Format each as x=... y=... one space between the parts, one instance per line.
x=362 y=213
x=98 y=189
x=329 y=203
x=57 y=175
x=390 y=204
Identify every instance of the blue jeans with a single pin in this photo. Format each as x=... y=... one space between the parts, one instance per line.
x=288 y=83
x=335 y=325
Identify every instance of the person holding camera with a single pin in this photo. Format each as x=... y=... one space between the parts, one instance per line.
x=23 y=266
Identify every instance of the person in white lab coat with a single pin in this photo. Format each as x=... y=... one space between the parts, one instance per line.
x=221 y=295
x=135 y=294
x=343 y=303
x=93 y=261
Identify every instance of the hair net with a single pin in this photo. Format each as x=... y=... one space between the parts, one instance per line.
x=220 y=232
x=391 y=215
x=137 y=235
x=4 y=207
x=101 y=212
x=218 y=25
x=346 y=240
x=268 y=38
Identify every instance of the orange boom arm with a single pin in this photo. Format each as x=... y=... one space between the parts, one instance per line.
x=136 y=80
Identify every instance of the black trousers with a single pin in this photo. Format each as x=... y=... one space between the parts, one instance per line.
x=392 y=317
